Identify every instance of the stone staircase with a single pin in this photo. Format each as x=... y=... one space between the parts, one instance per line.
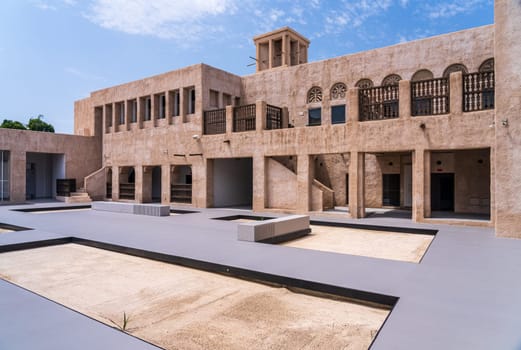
x=80 y=196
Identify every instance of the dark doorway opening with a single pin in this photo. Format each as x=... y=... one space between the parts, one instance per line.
x=347 y=189
x=442 y=192
x=233 y=182
x=391 y=190
x=156 y=184
x=181 y=184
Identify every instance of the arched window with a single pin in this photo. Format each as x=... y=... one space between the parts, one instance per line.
x=422 y=74
x=315 y=94
x=338 y=91
x=364 y=84
x=457 y=67
x=391 y=79
x=487 y=66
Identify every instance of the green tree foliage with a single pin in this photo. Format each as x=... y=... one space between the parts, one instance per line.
x=37 y=124
x=12 y=124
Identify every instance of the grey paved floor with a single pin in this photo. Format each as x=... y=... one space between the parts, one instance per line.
x=465 y=294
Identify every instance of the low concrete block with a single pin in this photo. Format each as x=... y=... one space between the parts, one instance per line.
x=274 y=230
x=133 y=208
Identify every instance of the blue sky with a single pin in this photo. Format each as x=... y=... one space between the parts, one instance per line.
x=53 y=52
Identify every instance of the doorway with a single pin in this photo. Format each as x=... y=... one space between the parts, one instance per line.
x=156 y=184
x=233 y=182
x=41 y=172
x=391 y=190
x=442 y=191
x=181 y=186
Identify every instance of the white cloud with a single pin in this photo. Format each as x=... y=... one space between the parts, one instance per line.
x=453 y=8
x=162 y=18
x=53 y=5
x=45 y=6
x=354 y=14
x=404 y=3
x=82 y=75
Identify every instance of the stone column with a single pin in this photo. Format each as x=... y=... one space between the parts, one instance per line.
x=507 y=155
x=128 y=113
x=260 y=115
x=284 y=53
x=456 y=91
x=168 y=108
x=166 y=176
x=258 y=58
x=421 y=188
x=207 y=189
x=113 y=116
x=154 y=109
x=326 y=109
x=259 y=182
x=17 y=174
x=115 y=182
x=229 y=120
x=304 y=181
x=146 y=184
x=270 y=54
x=183 y=104
x=140 y=112
x=352 y=105
x=356 y=184
x=285 y=117
x=138 y=194
x=405 y=99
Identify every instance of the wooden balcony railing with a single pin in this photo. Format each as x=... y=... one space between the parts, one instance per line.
x=273 y=117
x=430 y=97
x=215 y=122
x=378 y=103
x=244 y=118
x=478 y=91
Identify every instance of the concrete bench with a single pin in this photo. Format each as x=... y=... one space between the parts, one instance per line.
x=274 y=230
x=133 y=208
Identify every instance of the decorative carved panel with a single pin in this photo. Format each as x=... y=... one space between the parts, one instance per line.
x=391 y=79
x=364 y=84
x=487 y=66
x=422 y=74
x=315 y=94
x=338 y=91
x=457 y=67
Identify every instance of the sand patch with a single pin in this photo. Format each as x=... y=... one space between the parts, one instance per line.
x=181 y=308
x=377 y=244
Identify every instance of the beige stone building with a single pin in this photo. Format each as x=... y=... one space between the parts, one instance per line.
x=428 y=126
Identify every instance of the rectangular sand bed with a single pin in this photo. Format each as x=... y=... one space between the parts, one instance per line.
x=181 y=308
x=371 y=243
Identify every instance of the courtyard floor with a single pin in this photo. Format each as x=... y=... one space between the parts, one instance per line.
x=463 y=294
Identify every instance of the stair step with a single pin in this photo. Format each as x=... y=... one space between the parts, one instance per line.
x=79 y=194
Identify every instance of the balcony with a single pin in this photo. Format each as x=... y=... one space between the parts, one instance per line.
x=378 y=103
x=478 y=91
x=430 y=97
x=256 y=116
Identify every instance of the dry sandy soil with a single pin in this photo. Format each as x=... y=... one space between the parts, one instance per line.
x=376 y=244
x=181 y=308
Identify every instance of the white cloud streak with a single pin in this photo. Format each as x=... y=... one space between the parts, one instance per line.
x=82 y=75
x=452 y=8
x=182 y=19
